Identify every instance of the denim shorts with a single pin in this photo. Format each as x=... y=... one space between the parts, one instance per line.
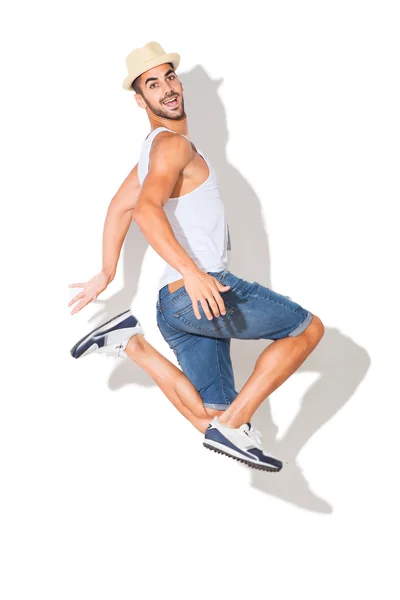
x=202 y=346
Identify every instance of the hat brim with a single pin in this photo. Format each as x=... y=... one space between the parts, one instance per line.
x=172 y=57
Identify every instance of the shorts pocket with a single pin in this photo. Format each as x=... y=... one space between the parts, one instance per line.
x=187 y=318
x=171 y=298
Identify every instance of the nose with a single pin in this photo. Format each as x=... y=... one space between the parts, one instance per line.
x=168 y=88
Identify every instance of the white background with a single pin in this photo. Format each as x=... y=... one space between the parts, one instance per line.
x=107 y=492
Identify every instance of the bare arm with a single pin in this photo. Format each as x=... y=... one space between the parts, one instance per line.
x=169 y=155
x=117 y=222
x=118 y=219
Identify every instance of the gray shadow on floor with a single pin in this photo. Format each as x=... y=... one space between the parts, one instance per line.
x=340 y=362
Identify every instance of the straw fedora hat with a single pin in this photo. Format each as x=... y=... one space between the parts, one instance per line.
x=143 y=59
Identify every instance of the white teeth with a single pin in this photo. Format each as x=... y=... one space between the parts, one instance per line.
x=169 y=101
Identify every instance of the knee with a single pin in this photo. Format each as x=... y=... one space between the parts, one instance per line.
x=315 y=331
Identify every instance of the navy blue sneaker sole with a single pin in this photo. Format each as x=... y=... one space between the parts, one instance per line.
x=248 y=463
x=73 y=350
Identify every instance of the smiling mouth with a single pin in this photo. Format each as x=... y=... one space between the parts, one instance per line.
x=171 y=102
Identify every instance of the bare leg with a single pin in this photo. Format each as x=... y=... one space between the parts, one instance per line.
x=275 y=364
x=173 y=382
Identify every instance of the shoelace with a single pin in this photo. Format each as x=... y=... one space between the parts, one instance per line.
x=111 y=353
x=258 y=438
x=256 y=435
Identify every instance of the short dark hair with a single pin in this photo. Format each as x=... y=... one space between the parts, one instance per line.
x=135 y=83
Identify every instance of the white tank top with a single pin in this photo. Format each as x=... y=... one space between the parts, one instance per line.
x=197 y=219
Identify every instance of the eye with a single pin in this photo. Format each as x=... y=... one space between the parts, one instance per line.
x=153 y=84
x=171 y=76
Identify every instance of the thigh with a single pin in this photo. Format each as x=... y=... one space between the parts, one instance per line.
x=253 y=312
x=205 y=361
x=262 y=313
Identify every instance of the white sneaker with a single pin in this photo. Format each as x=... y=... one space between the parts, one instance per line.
x=110 y=338
x=243 y=444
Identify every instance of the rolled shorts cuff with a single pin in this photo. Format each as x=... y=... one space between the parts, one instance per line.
x=303 y=326
x=215 y=406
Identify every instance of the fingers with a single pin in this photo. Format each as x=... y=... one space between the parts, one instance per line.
x=222 y=288
x=83 y=297
x=82 y=304
x=214 y=301
x=217 y=303
x=78 y=297
x=196 y=309
x=203 y=302
x=78 y=308
x=221 y=305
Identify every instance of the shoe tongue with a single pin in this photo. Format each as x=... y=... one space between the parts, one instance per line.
x=246 y=426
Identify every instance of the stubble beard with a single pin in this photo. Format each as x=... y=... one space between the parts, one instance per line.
x=174 y=116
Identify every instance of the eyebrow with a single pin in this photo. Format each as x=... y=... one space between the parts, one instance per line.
x=156 y=78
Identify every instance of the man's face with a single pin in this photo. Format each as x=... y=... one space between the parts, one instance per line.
x=162 y=92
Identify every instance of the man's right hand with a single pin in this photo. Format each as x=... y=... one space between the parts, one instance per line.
x=205 y=288
x=91 y=289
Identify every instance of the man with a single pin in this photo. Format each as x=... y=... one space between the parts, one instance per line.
x=172 y=194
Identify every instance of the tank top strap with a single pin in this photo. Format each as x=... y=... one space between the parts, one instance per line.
x=145 y=152
x=153 y=133
x=146 y=147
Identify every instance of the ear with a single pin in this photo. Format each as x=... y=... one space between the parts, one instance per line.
x=140 y=101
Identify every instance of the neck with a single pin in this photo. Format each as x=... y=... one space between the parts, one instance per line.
x=179 y=126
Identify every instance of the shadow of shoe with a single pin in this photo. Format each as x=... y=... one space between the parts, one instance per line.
x=342 y=365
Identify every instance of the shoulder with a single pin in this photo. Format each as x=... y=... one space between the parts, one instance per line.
x=166 y=141
x=171 y=148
